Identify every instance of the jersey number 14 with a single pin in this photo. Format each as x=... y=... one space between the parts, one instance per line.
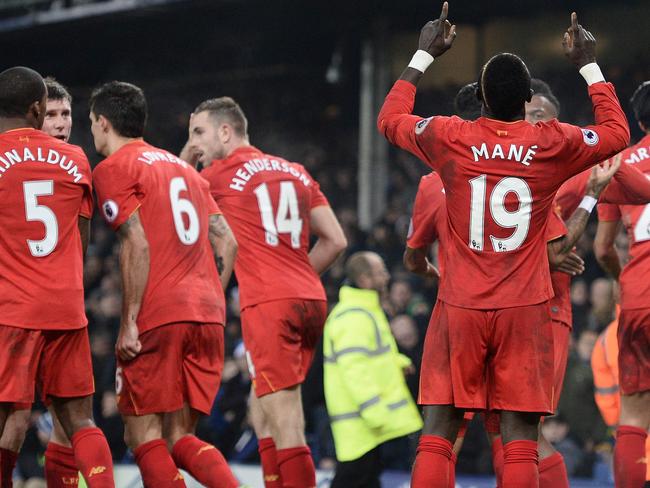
x=286 y=220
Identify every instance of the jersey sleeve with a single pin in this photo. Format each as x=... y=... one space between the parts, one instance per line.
x=586 y=146
x=422 y=230
x=117 y=192
x=412 y=133
x=608 y=212
x=87 y=202
x=318 y=198
x=628 y=187
x=556 y=227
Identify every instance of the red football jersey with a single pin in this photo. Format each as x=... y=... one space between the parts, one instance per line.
x=268 y=202
x=45 y=185
x=500 y=180
x=174 y=205
x=429 y=220
x=635 y=285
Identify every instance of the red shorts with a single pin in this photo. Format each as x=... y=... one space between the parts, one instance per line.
x=280 y=338
x=179 y=363
x=634 y=351
x=489 y=359
x=561 y=337
x=57 y=361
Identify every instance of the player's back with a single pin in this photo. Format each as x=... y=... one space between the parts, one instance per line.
x=635 y=285
x=267 y=202
x=45 y=185
x=174 y=204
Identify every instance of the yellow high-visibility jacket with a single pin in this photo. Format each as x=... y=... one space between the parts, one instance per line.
x=368 y=401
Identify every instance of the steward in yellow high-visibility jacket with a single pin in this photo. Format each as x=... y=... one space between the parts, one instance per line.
x=368 y=401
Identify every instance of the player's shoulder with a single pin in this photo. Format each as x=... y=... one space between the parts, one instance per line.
x=121 y=161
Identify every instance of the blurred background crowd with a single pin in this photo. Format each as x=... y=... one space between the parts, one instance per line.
x=299 y=86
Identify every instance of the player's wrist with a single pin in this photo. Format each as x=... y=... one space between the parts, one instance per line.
x=421 y=60
x=591 y=73
x=588 y=203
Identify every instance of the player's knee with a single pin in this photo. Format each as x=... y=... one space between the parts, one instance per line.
x=14 y=433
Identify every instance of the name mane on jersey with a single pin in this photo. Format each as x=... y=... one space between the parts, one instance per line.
x=254 y=166
x=150 y=157
x=53 y=157
x=638 y=155
x=515 y=152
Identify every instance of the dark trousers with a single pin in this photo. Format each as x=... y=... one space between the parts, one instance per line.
x=360 y=473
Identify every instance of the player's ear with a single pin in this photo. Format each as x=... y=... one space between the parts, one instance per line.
x=36 y=114
x=643 y=127
x=530 y=95
x=225 y=133
x=104 y=123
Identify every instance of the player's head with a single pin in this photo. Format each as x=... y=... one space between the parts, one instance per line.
x=466 y=104
x=544 y=105
x=640 y=102
x=23 y=96
x=58 y=115
x=217 y=127
x=367 y=270
x=117 y=109
x=504 y=87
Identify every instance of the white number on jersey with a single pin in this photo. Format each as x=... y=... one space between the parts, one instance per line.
x=518 y=220
x=40 y=213
x=187 y=235
x=287 y=219
x=642 y=227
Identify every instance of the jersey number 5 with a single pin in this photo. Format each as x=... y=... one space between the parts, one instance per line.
x=518 y=219
x=40 y=213
x=287 y=219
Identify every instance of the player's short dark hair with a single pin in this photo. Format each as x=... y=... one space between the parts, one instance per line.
x=123 y=104
x=640 y=102
x=226 y=108
x=19 y=88
x=466 y=104
x=504 y=85
x=56 y=91
x=356 y=266
x=540 y=87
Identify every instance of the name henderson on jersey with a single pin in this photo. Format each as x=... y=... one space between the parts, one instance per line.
x=256 y=165
x=12 y=157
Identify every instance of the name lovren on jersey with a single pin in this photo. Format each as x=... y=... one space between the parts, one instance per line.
x=244 y=174
x=515 y=153
x=14 y=156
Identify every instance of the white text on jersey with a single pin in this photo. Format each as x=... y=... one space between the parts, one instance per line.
x=150 y=157
x=637 y=156
x=25 y=155
x=515 y=153
x=244 y=174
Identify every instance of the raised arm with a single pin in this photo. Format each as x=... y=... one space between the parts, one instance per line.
x=224 y=247
x=134 y=265
x=331 y=239
x=604 y=249
x=629 y=187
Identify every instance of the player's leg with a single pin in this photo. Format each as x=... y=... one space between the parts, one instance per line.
x=521 y=336
x=265 y=443
x=202 y=363
x=60 y=466
x=634 y=381
x=12 y=440
x=492 y=422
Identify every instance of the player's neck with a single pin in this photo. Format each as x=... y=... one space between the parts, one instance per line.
x=238 y=145
x=488 y=114
x=14 y=123
x=115 y=143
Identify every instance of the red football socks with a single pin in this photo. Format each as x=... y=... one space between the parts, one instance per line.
x=156 y=465
x=60 y=467
x=296 y=467
x=520 y=465
x=268 y=457
x=93 y=457
x=432 y=463
x=497 y=460
x=629 y=456
x=452 y=470
x=552 y=472
x=204 y=462
x=7 y=464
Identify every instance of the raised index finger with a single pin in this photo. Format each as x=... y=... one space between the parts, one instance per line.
x=574 y=20
x=445 y=11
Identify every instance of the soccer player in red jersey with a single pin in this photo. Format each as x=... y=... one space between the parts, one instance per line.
x=60 y=467
x=48 y=184
x=273 y=207
x=634 y=322
x=170 y=345
x=490 y=325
